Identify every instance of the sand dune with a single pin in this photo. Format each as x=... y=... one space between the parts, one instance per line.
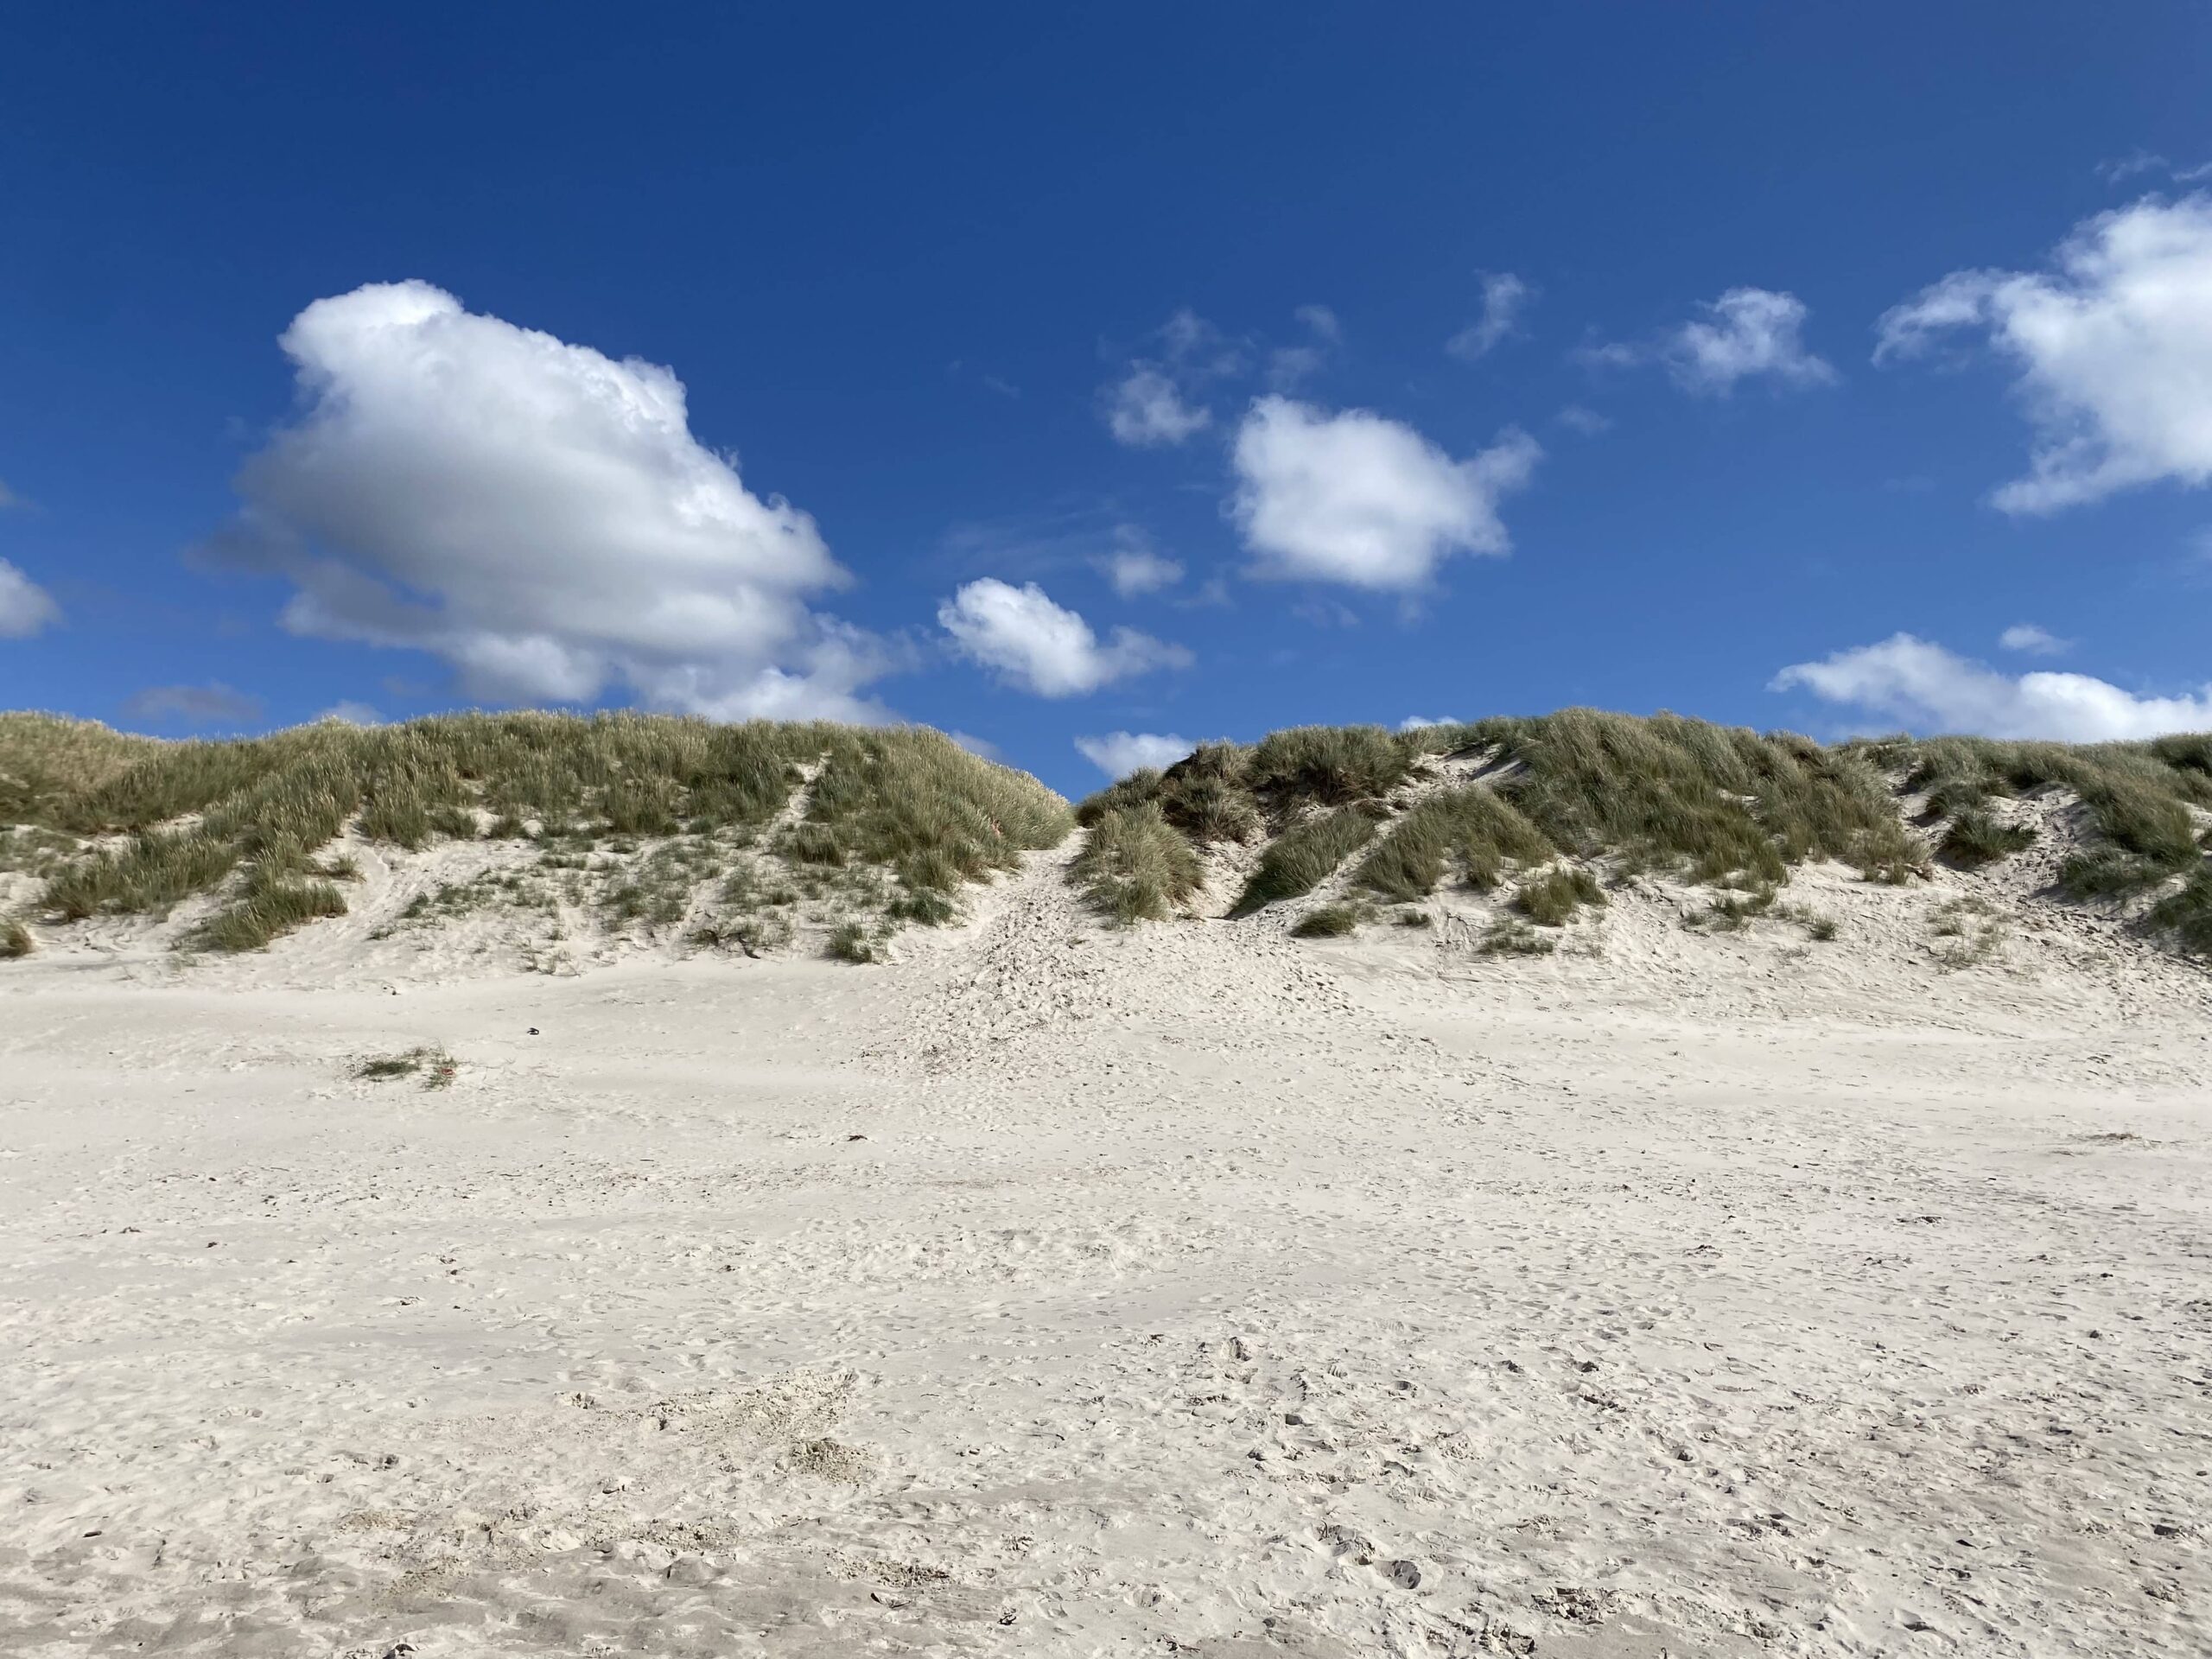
x=1062 y=1290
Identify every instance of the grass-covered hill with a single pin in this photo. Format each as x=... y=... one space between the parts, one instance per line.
x=759 y=835
x=647 y=821
x=1547 y=812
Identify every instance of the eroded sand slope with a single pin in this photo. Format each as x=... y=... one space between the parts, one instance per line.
x=1067 y=1292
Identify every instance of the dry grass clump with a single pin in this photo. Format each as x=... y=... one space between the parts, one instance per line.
x=434 y=1066
x=1551 y=899
x=1326 y=922
x=1474 y=828
x=2187 y=914
x=1330 y=764
x=1135 y=866
x=1207 y=795
x=1509 y=937
x=1303 y=856
x=1973 y=839
x=197 y=812
x=15 y=941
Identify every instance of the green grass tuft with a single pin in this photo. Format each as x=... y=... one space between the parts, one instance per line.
x=1327 y=922
x=1303 y=856
x=1472 y=828
x=1135 y=866
x=1551 y=899
x=1976 y=839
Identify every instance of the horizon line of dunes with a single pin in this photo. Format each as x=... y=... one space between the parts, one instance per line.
x=670 y=819
x=1545 y=801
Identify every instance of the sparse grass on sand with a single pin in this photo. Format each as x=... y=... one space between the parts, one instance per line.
x=1716 y=806
x=437 y=1068
x=15 y=940
x=246 y=820
x=1552 y=898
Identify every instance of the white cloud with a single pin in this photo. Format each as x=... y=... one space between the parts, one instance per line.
x=1927 y=687
x=536 y=514
x=350 y=713
x=1145 y=410
x=2113 y=347
x=1135 y=567
x=212 y=704
x=1747 y=332
x=1322 y=321
x=25 y=607
x=1422 y=723
x=1155 y=404
x=1354 y=498
x=1119 y=753
x=1505 y=296
x=1588 y=422
x=1043 y=647
x=2035 y=641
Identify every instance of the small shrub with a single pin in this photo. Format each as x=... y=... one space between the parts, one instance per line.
x=1328 y=922
x=1820 y=928
x=1551 y=899
x=1136 y=865
x=924 y=905
x=15 y=941
x=852 y=941
x=1415 y=919
x=1976 y=839
x=1303 y=856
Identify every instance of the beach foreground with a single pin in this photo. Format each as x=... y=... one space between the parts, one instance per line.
x=1063 y=1290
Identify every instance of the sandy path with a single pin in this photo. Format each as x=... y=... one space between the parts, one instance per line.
x=1190 y=1292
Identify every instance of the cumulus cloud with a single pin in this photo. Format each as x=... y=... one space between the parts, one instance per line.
x=1747 y=333
x=1119 y=753
x=536 y=514
x=1924 y=686
x=1422 y=723
x=1030 y=642
x=1135 y=567
x=25 y=607
x=2035 y=641
x=1354 y=498
x=2112 y=345
x=1588 y=422
x=1505 y=296
x=212 y=704
x=350 y=713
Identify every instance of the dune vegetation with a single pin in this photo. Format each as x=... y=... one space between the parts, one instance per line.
x=650 y=817
x=1548 y=809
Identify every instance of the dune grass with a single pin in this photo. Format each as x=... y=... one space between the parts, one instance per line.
x=1303 y=856
x=1474 y=828
x=1326 y=922
x=16 y=940
x=1973 y=839
x=1135 y=866
x=245 y=819
x=1552 y=898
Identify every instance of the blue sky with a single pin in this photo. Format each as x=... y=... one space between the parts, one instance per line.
x=1313 y=363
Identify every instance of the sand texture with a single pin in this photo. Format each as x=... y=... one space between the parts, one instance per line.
x=1062 y=1290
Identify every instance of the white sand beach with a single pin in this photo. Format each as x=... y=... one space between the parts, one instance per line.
x=1064 y=1290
